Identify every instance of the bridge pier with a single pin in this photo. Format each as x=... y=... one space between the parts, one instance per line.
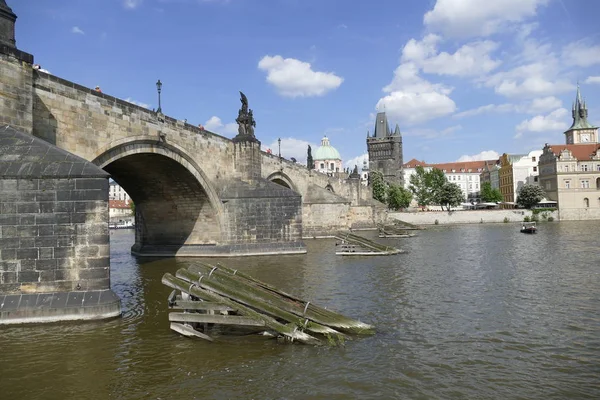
x=54 y=239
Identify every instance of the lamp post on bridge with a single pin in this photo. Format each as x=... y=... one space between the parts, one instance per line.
x=279 y=143
x=158 y=88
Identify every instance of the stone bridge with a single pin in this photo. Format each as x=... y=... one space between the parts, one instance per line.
x=196 y=193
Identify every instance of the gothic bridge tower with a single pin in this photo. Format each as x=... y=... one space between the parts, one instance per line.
x=385 y=150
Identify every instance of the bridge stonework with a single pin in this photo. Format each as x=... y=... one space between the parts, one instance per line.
x=196 y=193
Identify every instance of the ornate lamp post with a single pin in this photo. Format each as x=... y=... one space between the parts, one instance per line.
x=159 y=87
x=279 y=143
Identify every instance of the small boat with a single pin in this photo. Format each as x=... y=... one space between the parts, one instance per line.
x=528 y=227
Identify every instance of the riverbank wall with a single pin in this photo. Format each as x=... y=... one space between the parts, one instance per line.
x=465 y=217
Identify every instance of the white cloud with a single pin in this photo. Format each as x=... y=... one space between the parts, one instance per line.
x=413 y=108
x=592 y=79
x=484 y=155
x=295 y=78
x=413 y=99
x=76 y=30
x=214 y=124
x=358 y=161
x=544 y=104
x=489 y=108
x=535 y=79
x=581 y=54
x=137 y=103
x=535 y=106
x=291 y=147
x=132 y=4
x=472 y=18
x=555 y=121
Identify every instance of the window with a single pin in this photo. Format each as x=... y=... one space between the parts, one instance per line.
x=597 y=183
x=584 y=167
x=586 y=202
x=332 y=166
x=585 y=184
x=533 y=159
x=567 y=184
x=534 y=168
x=322 y=166
x=535 y=178
x=549 y=185
x=597 y=167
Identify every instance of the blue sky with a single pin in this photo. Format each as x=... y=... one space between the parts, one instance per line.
x=464 y=79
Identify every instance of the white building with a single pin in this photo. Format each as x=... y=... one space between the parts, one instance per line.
x=116 y=192
x=465 y=174
x=327 y=159
x=364 y=175
x=526 y=170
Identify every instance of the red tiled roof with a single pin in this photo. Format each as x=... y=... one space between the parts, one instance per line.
x=458 y=166
x=118 y=204
x=414 y=163
x=582 y=152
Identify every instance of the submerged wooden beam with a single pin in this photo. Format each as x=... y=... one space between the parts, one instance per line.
x=199 y=305
x=215 y=319
x=188 y=331
x=295 y=305
x=241 y=292
x=290 y=331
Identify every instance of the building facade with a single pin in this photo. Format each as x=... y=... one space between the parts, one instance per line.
x=467 y=175
x=515 y=171
x=385 y=150
x=570 y=173
x=116 y=192
x=327 y=159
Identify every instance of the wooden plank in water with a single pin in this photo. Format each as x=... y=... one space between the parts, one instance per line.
x=215 y=319
x=188 y=331
x=199 y=305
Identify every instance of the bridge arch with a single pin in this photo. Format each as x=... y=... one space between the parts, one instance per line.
x=280 y=178
x=176 y=205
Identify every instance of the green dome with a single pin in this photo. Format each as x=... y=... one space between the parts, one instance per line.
x=326 y=151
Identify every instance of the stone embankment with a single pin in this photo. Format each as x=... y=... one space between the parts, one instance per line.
x=465 y=217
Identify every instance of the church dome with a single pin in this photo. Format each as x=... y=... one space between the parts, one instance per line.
x=326 y=151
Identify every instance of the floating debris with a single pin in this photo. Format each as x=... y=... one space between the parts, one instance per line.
x=354 y=245
x=406 y=226
x=393 y=231
x=218 y=296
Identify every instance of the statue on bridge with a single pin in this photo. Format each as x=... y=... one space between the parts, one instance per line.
x=309 y=159
x=245 y=118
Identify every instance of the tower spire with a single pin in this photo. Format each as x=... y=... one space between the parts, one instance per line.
x=7 y=25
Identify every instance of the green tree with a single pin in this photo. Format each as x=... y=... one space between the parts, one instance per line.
x=132 y=206
x=435 y=180
x=378 y=185
x=398 y=197
x=450 y=195
x=426 y=185
x=418 y=186
x=529 y=195
x=490 y=195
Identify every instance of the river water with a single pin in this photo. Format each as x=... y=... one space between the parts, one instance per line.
x=470 y=312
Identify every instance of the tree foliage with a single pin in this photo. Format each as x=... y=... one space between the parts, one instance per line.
x=378 y=185
x=450 y=195
x=489 y=194
x=132 y=207
x=427 y=185
x=529 y=195
x=398 y=197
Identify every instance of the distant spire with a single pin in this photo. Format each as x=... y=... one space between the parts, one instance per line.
x=7 y=26
x=397 y=130
x=368 y=134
